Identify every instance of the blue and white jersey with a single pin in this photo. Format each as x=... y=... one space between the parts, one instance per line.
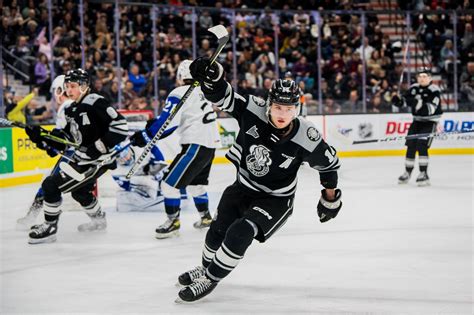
x=195 y=122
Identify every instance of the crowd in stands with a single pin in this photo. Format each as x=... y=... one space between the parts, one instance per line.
x=25 y=35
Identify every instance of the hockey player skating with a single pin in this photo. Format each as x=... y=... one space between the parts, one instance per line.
x=425 y=101
x=62 y=100
x=199 y=137
x=270 y=147
x=96 y=127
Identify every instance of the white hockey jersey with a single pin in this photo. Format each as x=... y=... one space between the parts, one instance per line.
x=196 y=121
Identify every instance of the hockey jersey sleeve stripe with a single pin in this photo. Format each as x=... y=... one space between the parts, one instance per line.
x=335 y=165
x=228 y=101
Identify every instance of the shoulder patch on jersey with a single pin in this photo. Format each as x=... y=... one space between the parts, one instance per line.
x=313 y=134
x=434 y=88
x=258 y=101
x=112 y=112
x=91 y=98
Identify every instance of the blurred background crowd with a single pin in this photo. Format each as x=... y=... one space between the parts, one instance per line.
x=345 y=61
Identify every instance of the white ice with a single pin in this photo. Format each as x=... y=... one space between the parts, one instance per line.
x=392 y=249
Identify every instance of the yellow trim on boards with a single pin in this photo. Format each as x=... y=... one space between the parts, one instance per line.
x=20 y=180
x=28 y=179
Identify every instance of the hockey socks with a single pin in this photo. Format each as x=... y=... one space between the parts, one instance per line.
x=238 y=238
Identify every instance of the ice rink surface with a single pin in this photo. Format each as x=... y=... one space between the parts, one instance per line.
x=392 y=249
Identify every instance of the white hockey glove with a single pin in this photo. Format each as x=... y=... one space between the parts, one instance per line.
x=328 y=210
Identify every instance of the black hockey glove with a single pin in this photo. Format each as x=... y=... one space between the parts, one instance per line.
x=328 y=210
x=137 y=139
x=34 y=133
x=211 y=77
x=396 y=100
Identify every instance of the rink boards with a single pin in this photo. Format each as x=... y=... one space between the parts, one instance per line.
x=21 y=162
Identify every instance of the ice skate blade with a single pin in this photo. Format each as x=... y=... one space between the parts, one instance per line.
x=423 y=184
x=402 y=182
x=167 y=235
x=179 y=285
x=49 y=239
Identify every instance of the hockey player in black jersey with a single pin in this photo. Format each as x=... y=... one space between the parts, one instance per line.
x=96 y=127
x=425 y=101
x=270 y=147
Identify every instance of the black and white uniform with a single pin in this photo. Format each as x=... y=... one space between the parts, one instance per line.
x=263 y=194
x=425 y=104
x=97 y=127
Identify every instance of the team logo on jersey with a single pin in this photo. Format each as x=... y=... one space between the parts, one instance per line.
x=313 y=134
x=258 y=101
x=253 y=132
x=258 y=161
x=75 y=132
x=287 y=162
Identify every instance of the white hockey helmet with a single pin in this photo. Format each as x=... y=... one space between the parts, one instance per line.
x=183 y=71
x=57 y=87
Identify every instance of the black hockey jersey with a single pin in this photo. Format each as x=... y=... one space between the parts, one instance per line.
x=266 y=163
x=425 y=102
x=95 y=122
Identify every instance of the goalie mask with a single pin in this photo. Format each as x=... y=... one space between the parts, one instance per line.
x=183 y=71
x=57 y=87
x=284 y=92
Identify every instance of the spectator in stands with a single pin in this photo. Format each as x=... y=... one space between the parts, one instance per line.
x=353 y=104
x=205 y=20
x=467 y=82
x=366 y=50
x=15 y=109
x=253 y=77
x=330 y=106
x=136 y=79
x=128 y=94
x=38 y=113
x=447 y=56
x=42 y=74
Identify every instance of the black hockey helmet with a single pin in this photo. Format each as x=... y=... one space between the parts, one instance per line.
x=423 y=70
x=284 y=92
x=77 y=75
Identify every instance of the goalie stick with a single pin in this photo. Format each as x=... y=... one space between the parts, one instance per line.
x=44 y=133
x=222 y=38
x=341 y=137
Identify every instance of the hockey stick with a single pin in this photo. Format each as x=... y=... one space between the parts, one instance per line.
x=404 y=63
x=73 y=173
x=44 y=133
x=222 y=38
x=410 y=137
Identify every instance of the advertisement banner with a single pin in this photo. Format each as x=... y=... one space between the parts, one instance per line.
x=341 y=130
x=26 y=156
x=6 y=153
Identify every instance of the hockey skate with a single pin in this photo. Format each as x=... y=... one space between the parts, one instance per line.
x=43 y=233
x=404 y=178
x=190 y=276
x=204 y=222
x=168 y=229
x=30 y=217
x=423 y=179
x=98 y=223
x=197 y=290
